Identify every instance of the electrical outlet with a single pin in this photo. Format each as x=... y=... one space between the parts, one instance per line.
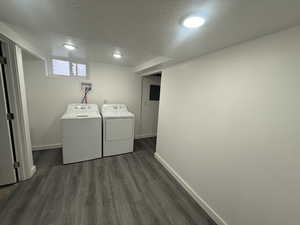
x=85 y=85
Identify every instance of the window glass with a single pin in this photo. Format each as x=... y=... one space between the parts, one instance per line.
x=68 y=68
x=81 y=70
x=60 y=67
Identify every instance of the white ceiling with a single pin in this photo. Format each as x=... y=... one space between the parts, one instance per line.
x=145 y=29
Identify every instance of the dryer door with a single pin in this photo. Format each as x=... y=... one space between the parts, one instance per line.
x=119 y=129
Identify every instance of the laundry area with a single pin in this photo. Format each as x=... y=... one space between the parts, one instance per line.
x=174 y=112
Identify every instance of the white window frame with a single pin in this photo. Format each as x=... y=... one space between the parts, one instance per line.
x=71 y=76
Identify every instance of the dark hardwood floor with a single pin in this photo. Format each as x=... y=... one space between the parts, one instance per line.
x=130 y=189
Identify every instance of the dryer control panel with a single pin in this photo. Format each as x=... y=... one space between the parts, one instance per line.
x=114 y=108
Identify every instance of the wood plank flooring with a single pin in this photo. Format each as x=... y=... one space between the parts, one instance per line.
x=130 y=189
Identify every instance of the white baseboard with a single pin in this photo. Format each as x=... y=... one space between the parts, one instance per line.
x=33 y=170
x=140 y=136
x=191 y=191
x=46 y=147
x=25 y=175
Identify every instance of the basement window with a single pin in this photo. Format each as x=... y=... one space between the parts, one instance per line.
x=68 y=68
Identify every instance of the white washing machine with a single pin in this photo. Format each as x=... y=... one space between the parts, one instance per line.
x=118 y=129
x=82 y=133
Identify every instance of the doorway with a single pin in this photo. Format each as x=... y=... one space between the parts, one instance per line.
x=150 y=105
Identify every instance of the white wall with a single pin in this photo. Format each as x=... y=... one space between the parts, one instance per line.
x=49 y=96
x=149 y=109
x=229 y=125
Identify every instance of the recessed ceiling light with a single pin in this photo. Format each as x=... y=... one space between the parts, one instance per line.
x=117 y=55
x=193 y=22
x=69 y=46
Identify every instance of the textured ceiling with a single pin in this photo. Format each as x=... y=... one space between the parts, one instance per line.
x=145 y=29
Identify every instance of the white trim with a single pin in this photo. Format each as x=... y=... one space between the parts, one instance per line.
x=46 y=147
x=140 y=136
x=212 y=213
x=17 y=96
x=150 y=72
x=152 y=64
x=33 y=170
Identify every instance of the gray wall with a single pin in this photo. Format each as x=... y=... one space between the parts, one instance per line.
x=229 y=126
x=49 y=96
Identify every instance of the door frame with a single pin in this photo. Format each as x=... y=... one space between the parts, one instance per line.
x=25 y=169
x=145 y=135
